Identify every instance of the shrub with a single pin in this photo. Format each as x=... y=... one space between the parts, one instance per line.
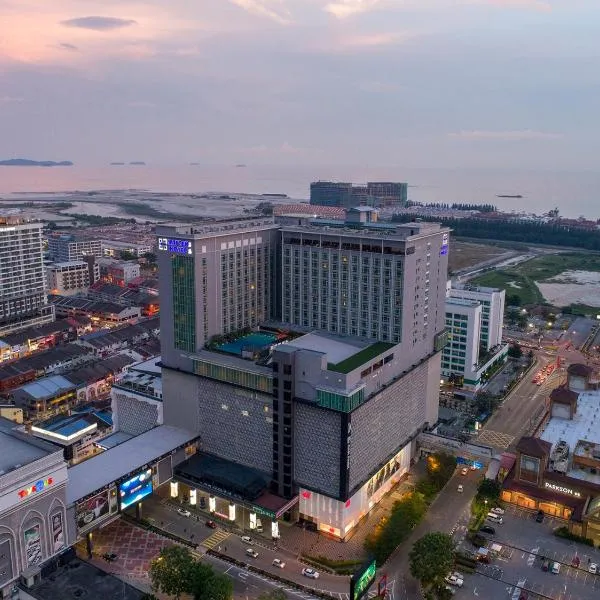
x=563 y=532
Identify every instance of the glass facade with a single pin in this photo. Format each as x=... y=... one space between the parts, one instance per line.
x=234 y=376
x=340 y=402
x=184 y=303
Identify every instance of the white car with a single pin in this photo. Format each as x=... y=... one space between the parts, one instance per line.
x=247 y=540
x=460 y=488
x=453 y=580
x=184 y=513
x=251 y=552
x=451 y=590
x=498 y=510
x=277 y=562
x=307 y=572
x=593 y=568
x=556 y=568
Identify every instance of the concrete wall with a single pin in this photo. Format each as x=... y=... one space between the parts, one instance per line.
x=134 y=414
x=317 y=448
x=233 y=423
x=384 y=424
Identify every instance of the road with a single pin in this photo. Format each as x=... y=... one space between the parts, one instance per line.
x=515 y=417
x=450 y=513
x=164 y=514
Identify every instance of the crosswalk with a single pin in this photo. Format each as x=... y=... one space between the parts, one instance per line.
x=215 y=539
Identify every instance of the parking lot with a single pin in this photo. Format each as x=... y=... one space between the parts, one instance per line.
x=519 y=565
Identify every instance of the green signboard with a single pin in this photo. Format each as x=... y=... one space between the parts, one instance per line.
x=362 y=580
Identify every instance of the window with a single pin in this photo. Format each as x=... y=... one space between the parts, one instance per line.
x=287 y=369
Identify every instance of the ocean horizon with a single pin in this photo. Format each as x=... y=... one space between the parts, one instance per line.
x=573 y=193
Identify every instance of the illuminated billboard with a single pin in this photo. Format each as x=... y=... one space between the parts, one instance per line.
x=362 y=580
x=96 y=509
x=176 y=246
x=135 y=489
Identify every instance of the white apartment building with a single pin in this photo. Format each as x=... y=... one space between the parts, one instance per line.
x=474 y=323
x=68 y=278
x=492 y=315
x=23 y=298
x=67 y=247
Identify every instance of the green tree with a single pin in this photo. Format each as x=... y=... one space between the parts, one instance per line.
x=127 y=255
x=171 y=571
x=205 y=584
x=488 y=489
x=432 y=558
x=276 y=594
x=514 y=351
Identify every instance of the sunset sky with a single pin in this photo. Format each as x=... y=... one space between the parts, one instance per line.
x=440 y=83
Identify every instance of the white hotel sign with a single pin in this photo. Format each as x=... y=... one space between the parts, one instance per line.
x=561 y=489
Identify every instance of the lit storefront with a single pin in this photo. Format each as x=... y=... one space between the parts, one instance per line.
x=338 y=518
x=231 y=493
x=532 y=485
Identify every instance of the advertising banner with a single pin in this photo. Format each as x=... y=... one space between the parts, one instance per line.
x=58 y=536
x=89 y=512
x=33 y=545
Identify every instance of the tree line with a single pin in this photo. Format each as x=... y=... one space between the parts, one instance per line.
x=507 y=230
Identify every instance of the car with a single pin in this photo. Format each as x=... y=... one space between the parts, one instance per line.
x=464 y=471
x=593 y=568
x=453 y=580
x=575 y=561
x=110 y=556
x=487 y=529
x=277 y=562
x=184 y=513
x=545 y=565
x=308 y=572
x=251 y=552
x=247 y=540
x=211 y=524
x=472 y=468
x=460 y=488
x=451 y=590
x=498 y=510
x=556 y=568
x=539 y=517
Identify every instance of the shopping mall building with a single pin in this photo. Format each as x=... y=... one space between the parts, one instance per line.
x=558 y=471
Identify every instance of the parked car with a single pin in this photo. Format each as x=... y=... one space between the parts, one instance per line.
x=211 y=524
x=487 y=529
x=308 y=572
x=593 y=568
x=450 y=589
x=464 y=471
x=539 y=517
x=498 y=510
x=556 y=568
x=453 y=580
x=460 y=489
x=247 y=540
x=545 y=565
x=251 y=552
x=184 y=513
x=277 y=562
x=575 y=561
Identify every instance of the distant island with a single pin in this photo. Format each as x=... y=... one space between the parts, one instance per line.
x=26 y=162
x=508 y=196
x=115 y=164
x=194 y=164
x=137 y=162
x=240 y=166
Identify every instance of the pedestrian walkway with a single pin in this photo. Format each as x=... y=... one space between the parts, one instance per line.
x=216 y=539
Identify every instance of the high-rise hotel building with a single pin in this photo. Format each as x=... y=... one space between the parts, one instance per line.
x=315 y=414
x=23 y=295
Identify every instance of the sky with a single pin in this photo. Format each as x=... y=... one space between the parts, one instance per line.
x=422 y=83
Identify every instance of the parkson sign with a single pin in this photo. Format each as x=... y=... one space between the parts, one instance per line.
x=561 y=489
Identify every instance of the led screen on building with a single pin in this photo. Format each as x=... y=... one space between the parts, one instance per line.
x=135 y=489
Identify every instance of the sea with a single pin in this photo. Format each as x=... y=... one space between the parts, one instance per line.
x=575 y=194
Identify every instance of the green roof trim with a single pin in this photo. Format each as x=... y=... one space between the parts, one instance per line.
x=360 y=358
